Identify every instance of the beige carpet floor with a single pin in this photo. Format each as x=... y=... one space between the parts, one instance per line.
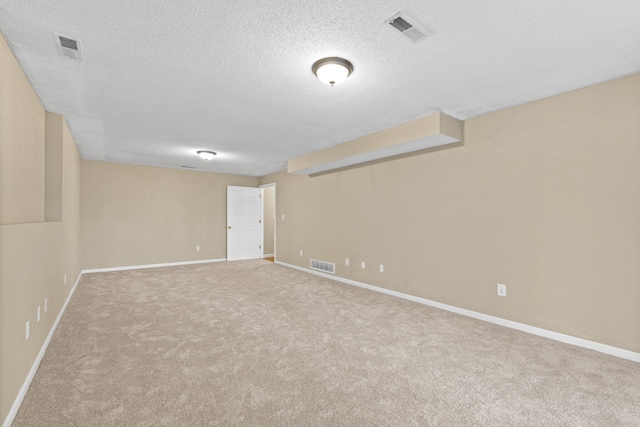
x=253 y=343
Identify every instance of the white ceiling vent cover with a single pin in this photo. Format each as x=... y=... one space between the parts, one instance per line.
x=327 y=267
x=68 y=47
x=407 y=26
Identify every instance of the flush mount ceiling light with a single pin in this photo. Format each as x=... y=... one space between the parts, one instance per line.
x=332 y=71
x=207 y=155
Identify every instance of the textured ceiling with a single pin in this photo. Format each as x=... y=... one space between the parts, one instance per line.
x=162 y=79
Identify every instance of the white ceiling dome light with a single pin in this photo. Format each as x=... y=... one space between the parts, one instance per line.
x=332 y=71
x=207 y=155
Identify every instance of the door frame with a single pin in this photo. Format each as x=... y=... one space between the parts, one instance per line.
x=275 y=221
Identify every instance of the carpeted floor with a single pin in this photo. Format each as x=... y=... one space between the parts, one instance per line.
x=253 y=343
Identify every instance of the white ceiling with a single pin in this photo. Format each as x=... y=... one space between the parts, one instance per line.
x=162 y=79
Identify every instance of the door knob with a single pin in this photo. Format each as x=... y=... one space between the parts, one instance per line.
x=229 y=227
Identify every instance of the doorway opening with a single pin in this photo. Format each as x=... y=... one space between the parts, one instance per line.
x=269 y=221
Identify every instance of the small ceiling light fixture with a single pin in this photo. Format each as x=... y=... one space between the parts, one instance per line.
x=332 y=71
x=207 y=155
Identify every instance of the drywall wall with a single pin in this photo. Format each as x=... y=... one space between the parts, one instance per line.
x=137 y=215
x=53 y=166
x=542 y=197
x=269 y=221
x=22 y=151
x=34 y=256
x=34 y=259
x=72 y=174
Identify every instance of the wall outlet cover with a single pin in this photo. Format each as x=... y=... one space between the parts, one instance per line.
x=502 y=290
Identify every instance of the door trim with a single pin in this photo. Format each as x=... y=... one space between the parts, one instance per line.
x=275 y=221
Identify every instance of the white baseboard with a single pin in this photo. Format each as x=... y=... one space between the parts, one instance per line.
x=268 y=255
x=568 y=339
x=138 y=267
x=27 y=382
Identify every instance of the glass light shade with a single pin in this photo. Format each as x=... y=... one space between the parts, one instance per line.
x=207 y=155
x=332 y=71
x=332 y=74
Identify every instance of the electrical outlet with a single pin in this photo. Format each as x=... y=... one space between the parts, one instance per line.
x=65 y=278
x=300 y=252
x=283 y=217
x=346 y=261
x=45 y=305
x=362 y=264
x=197 y=247
x=502 y=290
x=38 y=317
x=27 y=333
x=381 y=268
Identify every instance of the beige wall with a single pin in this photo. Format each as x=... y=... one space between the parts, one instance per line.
x=22 y=153
x=136 y=215
x=542 y=197
x=53 y=137
x=269 y=222
x=72 y=174
x=35 y=256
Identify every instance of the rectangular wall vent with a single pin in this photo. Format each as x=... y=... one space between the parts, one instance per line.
x=68 y=47
x=327 y=267
x=407 y=26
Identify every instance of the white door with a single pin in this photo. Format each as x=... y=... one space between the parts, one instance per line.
x=244 y=228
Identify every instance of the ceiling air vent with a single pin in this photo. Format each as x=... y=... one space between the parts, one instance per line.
x=68 y=46
x=407 y=27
